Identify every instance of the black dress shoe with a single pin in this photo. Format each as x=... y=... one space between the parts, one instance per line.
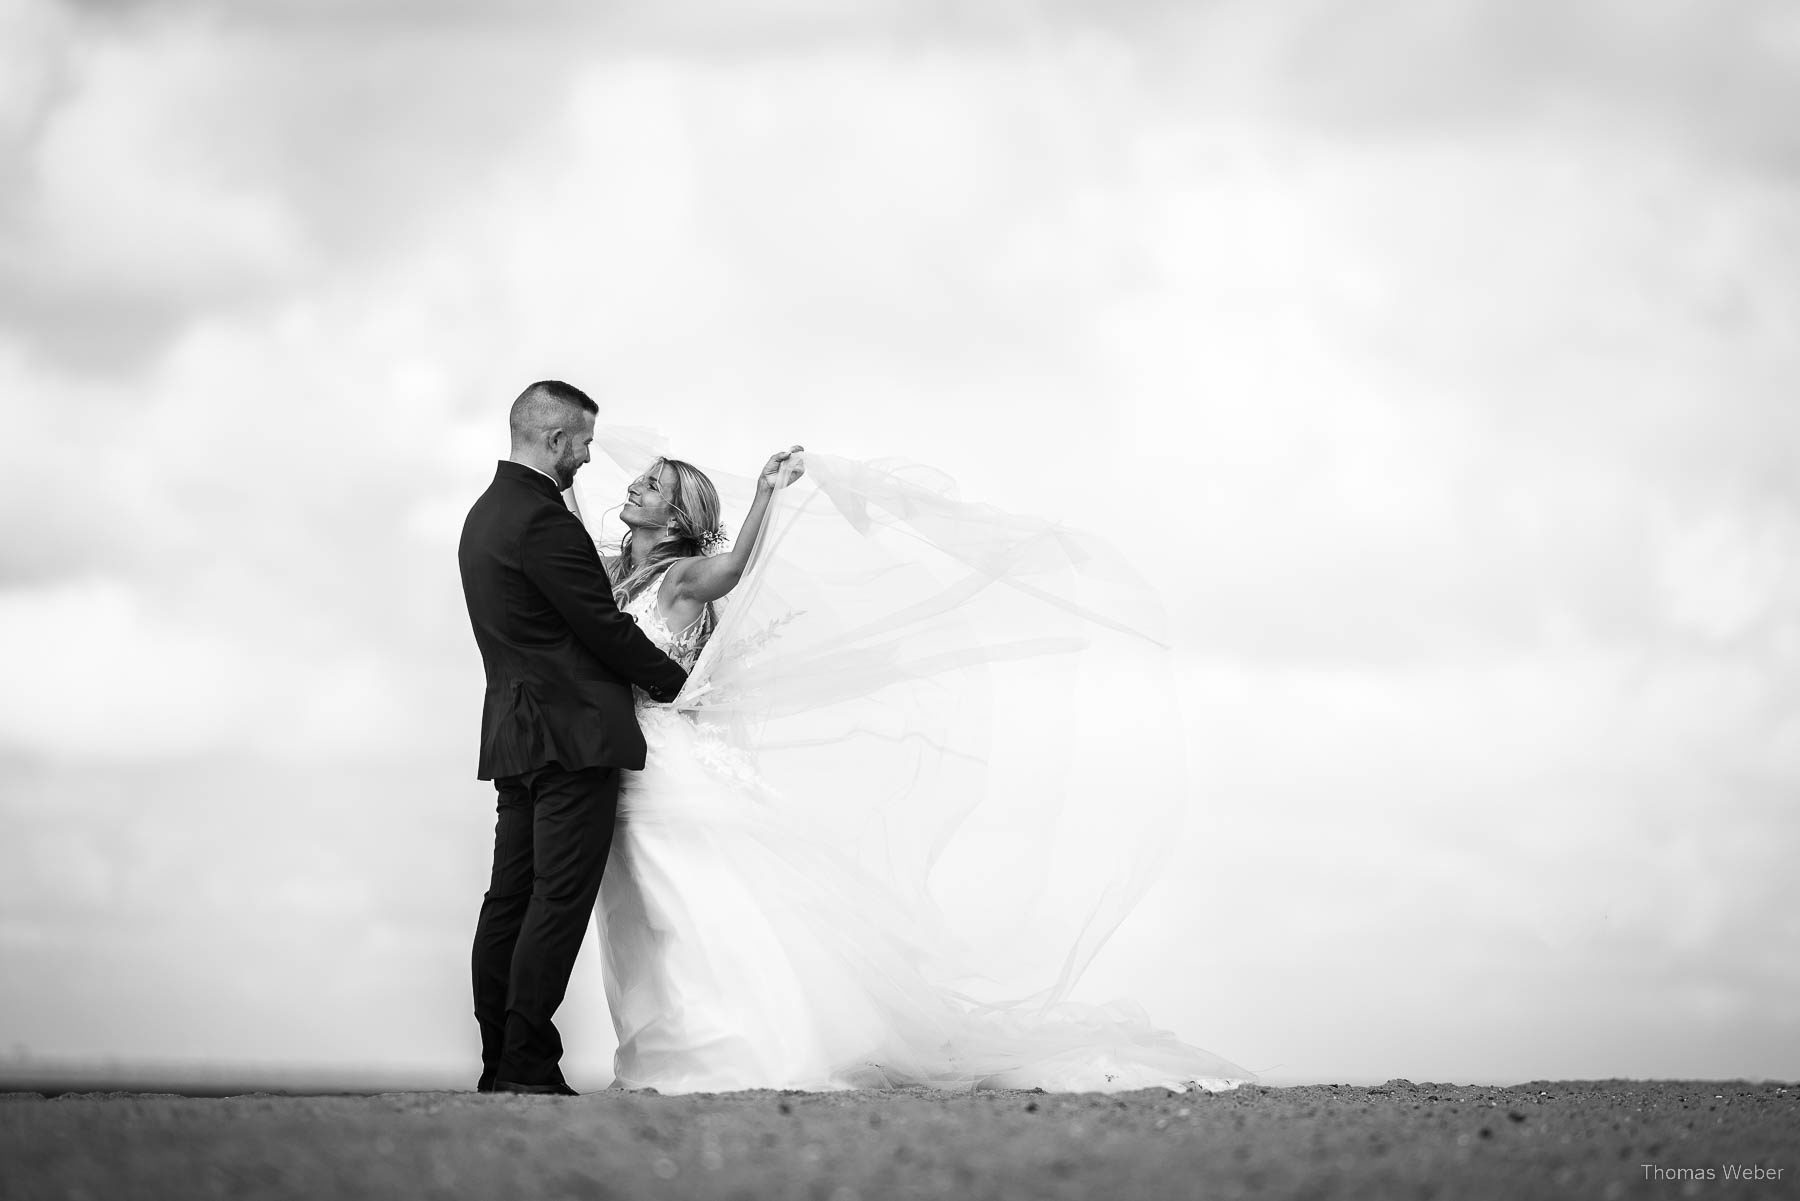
x=559 y=1089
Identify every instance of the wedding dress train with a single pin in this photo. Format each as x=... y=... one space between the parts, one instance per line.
x=926 y=761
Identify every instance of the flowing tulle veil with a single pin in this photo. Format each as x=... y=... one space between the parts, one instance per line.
x=974 y=706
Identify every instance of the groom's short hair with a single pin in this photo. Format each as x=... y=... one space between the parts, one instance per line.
x=546 y=405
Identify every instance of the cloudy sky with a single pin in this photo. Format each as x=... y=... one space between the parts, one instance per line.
x=1436 y=360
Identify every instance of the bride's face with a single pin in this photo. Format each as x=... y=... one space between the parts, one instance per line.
x=647 y=502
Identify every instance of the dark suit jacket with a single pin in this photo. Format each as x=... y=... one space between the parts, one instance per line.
x=559 y=655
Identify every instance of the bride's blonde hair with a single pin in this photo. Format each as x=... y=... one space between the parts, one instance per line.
x=695 y=503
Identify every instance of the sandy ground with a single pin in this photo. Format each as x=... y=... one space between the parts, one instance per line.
x=1608 y=1139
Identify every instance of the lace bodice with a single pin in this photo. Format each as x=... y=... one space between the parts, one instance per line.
x=682 y=646
x=685 y=736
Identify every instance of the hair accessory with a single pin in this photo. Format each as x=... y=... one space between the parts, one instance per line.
x=714 y=541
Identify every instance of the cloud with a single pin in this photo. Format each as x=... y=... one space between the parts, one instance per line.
x=1435 y=364
x=96 y=673
x=1432 y=378
x=36 y=57
x=1705 y=79
x=177 y=162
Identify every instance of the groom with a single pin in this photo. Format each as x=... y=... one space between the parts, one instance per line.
x=557 y=727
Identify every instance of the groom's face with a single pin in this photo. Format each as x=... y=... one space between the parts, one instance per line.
x=578 y=439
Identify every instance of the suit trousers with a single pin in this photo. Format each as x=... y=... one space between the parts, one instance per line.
x=552 y=833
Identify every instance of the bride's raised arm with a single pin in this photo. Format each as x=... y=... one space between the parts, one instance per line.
x=709 y=577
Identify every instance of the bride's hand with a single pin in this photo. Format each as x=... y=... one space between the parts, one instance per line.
x=772 y=474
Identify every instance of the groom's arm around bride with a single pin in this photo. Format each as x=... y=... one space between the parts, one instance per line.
x=557 y=725
x=559 y=655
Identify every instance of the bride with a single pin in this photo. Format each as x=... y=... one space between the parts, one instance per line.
x=916 y=778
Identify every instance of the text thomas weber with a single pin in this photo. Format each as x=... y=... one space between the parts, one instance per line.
x=1725 y=1171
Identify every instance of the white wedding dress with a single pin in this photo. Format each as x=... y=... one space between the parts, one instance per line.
x=786 y=930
